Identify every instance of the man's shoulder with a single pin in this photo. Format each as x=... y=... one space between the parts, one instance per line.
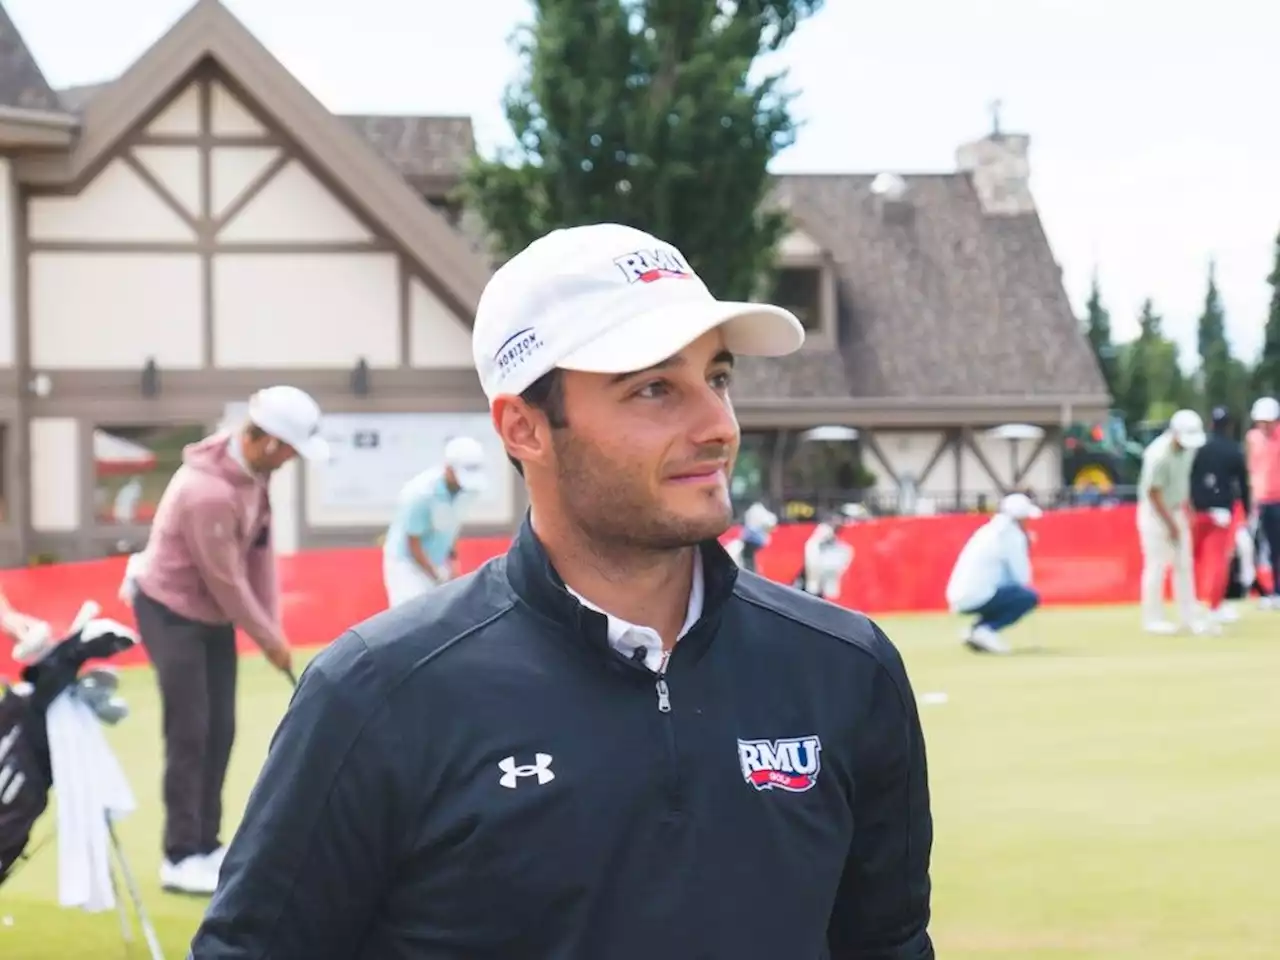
x=200 y=490
x=1157 y=447
x=416 y=635
x=801 y=613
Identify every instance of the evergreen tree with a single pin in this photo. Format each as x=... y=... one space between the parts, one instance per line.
x=1136 y=397
x=648 y=113
x=1266 y=375
x=1215 y=352
x=1098 y=330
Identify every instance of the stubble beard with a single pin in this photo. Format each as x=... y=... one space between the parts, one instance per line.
x=615 y=513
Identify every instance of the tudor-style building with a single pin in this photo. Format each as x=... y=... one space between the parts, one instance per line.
x=202 y=225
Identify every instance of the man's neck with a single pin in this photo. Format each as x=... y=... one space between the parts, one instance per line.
x=647 y=588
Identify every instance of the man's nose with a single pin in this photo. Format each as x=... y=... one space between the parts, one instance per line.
x=713 y=419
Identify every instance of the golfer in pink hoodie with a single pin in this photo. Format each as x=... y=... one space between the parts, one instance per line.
x=209 y=568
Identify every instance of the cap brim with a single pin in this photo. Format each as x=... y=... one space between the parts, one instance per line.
x=314 y=448
x=1192 y=441
x=472 y=479
x=750 y=330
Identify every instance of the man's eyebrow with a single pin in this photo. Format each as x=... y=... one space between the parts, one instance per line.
x=723 y=357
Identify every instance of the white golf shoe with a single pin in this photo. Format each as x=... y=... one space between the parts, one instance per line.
x=193 y=875
x=985 y=640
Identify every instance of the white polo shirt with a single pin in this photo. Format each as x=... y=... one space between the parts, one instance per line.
x=626 y=638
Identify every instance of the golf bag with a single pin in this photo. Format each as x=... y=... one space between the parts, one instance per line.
x=26 y=769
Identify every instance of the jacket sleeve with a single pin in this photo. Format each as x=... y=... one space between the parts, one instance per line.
x=211 y=536
x=310 y=861
x=260 y=569
x=882 y=907
x=1019 y=553
x=1242 y=478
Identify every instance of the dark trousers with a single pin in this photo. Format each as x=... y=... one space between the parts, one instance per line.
x=1006 y=607
x=1269 y=530
x=195 y=664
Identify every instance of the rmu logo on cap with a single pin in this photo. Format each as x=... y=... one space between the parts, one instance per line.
x=791 y=764
x=646 y=266
x=515 y=350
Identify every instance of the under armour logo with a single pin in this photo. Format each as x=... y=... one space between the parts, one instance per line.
x=511 y=773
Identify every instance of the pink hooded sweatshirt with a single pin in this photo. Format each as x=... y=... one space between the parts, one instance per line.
x=210 y=556
x=1262 y=450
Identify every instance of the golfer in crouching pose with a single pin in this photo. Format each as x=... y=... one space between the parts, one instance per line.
x=611 y=743
x=991 y=579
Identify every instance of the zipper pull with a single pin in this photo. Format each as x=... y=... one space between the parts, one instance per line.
x=664 y=696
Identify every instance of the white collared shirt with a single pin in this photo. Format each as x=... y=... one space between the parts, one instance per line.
x=626 y=638
x=236 y=449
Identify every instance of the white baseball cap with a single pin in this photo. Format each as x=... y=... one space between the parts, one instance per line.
x=1020 y=507
x=291 y=416
x=1265 y=410
x=607 y=298
x=465 y=457
x=1188 y=429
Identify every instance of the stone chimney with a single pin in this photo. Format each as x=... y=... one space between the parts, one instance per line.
x=1001 y=172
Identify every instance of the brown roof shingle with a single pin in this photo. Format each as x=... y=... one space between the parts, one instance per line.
x=22 y=84
x=419 y=146
x=944 y=302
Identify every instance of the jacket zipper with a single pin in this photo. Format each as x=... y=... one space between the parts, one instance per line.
x=664 y=708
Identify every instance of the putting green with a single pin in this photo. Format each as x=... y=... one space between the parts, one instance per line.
x=1102 y=795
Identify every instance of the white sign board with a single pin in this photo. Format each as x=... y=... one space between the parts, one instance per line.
x=375 y=454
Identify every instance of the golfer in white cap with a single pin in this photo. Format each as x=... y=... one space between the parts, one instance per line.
x=991 y=579
x=208 y=568
x=1164 y=523
x=419 y=546
x=611 y=743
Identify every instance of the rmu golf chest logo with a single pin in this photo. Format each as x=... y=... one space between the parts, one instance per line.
x=791 y=764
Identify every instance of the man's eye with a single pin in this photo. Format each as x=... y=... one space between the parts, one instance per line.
x=723 y=380
x=656 y=388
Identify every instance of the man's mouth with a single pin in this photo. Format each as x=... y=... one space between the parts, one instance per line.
x=700 y=473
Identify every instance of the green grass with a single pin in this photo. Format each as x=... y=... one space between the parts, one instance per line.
x=1103 y=795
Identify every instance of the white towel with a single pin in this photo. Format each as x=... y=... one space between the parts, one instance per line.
x=88 y=785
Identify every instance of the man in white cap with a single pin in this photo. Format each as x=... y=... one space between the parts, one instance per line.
x=1164 y=524
x=1262 y=452
x=991 y=579
x=610 y=742
x=208 y=568
x=419 y=545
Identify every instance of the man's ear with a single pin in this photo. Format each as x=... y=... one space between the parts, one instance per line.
x=523 y=429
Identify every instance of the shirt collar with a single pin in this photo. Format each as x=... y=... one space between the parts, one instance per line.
x=628 y=638
x=236 y=450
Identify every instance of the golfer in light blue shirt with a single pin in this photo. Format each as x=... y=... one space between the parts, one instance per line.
x=419 y=545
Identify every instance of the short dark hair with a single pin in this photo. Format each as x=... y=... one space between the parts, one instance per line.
x=546 y=394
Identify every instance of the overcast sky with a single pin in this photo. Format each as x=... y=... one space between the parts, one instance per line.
x=1154 y=140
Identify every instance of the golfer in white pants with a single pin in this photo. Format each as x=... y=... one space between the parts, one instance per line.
x=418 y=549
x=1164 y=529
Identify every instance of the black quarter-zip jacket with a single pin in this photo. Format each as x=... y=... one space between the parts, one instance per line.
x=478 y=774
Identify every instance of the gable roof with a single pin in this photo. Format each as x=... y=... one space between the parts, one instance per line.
x=945 y=303
x=430 y=152
x=210 y=31
x=22 y=84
